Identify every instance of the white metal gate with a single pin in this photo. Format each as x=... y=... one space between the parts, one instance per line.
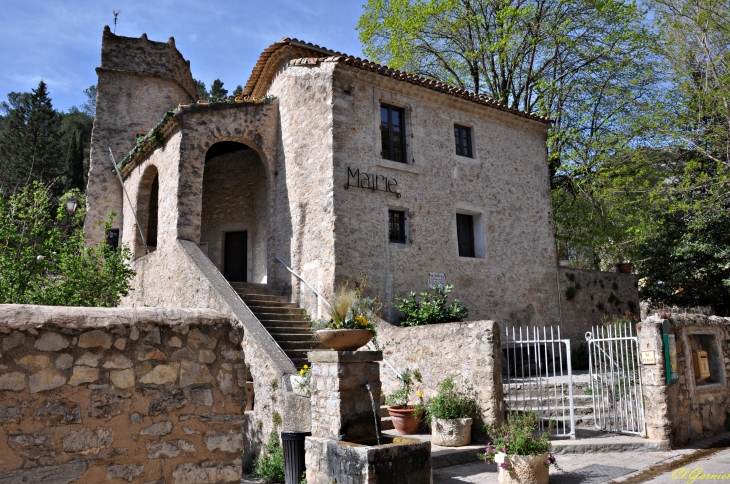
x=537 y=376
x=618 y=404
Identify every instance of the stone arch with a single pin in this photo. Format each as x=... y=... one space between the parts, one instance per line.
x=234 y=213
x=148 y=201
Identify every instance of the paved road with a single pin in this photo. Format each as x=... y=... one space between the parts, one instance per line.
x=713 y=468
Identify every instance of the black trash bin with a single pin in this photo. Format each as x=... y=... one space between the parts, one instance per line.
x=293 y=444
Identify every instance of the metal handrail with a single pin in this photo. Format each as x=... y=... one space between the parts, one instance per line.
x=370 y=344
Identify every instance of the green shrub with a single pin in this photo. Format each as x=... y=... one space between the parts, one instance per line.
x=270 y=466
x=450 y=402
x=400 y=398
x=517 y=437
x=432 y=308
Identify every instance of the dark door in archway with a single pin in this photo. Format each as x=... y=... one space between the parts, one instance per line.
x=235 y=261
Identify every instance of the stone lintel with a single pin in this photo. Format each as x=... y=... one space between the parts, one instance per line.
x=329 y=356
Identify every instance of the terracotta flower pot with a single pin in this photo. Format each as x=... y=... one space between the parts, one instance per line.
x=344 y=339
x=452 y=432
x=624 y=267
x=523 y=469
x=404 y=419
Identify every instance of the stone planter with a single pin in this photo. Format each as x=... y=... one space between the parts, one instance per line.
x=300 y=386
x=404 y=419
x=453 y=432
x=344 y=339
x=523 y=469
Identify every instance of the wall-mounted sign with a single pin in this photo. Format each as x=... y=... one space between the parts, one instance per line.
x=371 y=181
x=435 y=278
x=648 y=358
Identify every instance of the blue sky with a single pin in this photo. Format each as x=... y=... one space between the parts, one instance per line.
x=60 y=41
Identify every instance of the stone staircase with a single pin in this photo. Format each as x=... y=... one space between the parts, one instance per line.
x=542 y=400
x=282 y=319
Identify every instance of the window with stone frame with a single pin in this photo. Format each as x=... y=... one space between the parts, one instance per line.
x=393 y=133
x=465 y=235
x=397 y=232
x=462 y=138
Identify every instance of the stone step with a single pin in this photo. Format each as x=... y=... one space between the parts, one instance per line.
x=384 y=411
x=259 y=299
x=270 y=325
x=301 y=345
x=546 y=412
x=386 y=423
x=276 y=331
x=298 y=353
x=299 y=362
x=304 y=336
x=257 y=304
x=251 y=285
x=544 y=401
x=247 y=292
x=281 y=317
x=263 y=310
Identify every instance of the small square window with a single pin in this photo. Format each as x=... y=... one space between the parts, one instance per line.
x=462 y=137
x=393 y=133
x=397 y=226
x=465 y=235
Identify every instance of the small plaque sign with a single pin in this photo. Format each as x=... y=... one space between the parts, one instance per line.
x=648 y=358
x=435 y=278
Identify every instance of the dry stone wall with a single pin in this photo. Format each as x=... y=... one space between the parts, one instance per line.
x=127 y=395
x=588 y=296
x=469 y=351
x=688 y=409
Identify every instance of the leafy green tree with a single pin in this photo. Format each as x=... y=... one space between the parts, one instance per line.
x=43 y=260
x=202 y=90
x=89 y=107
x=217 y=91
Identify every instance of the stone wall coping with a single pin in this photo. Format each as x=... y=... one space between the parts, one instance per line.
x=329 y=356
x=687 y=320
x=26 y=316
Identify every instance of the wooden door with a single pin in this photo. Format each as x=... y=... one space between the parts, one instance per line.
x=235 y=264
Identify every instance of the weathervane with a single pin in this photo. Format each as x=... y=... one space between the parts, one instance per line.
x=116 y=14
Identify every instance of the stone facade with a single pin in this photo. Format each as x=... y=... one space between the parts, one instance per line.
x=471 y=352
x=588 y=296
x=89 y=394
x=688 y=409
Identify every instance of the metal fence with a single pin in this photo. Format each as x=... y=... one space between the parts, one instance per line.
x=537 y=376
x=618 y=404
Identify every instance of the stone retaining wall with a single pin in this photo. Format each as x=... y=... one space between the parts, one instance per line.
x=127 y=394
x=687 y=410
x=470 y=351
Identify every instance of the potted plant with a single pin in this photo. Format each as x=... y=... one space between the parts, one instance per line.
x=302 y=382
x=405 y=417
x=349 y=326
x=451 y=414
x=523 y=456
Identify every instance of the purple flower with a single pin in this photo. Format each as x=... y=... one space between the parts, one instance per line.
x=504 y=449
x=503 y=465
x=489 y=462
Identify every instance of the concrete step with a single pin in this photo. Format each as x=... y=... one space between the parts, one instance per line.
x=256 y=304
x=547 y=412
x=386 y=423
x=268 y=324
x=549 y=401
x=304 y=336
x=244 y=292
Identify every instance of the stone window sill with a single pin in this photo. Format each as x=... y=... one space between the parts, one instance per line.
x=709 y=387
x=394 y=165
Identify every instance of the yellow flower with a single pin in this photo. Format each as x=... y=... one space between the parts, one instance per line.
x=301 y=372
x=305 y=367
x=359 y=319
x=420 y=394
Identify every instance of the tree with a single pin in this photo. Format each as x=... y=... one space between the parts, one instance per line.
x=29 y=147
x=89 y=107
x=217 y=91
x=43 y=263
x=202 y=90
x=584 y=64
x=238 y=91
x=75 y=161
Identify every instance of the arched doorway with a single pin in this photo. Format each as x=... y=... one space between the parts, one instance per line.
x=148 y=199
x=234 y=222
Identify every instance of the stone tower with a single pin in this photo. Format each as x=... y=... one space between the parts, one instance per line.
x=139 y=80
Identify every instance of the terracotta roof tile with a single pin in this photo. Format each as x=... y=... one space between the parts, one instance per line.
x=258 y=82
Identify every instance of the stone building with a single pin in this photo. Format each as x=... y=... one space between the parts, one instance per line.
x=339 y=167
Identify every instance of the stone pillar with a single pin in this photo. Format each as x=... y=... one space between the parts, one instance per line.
x=341 y=405
x=654 y=381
